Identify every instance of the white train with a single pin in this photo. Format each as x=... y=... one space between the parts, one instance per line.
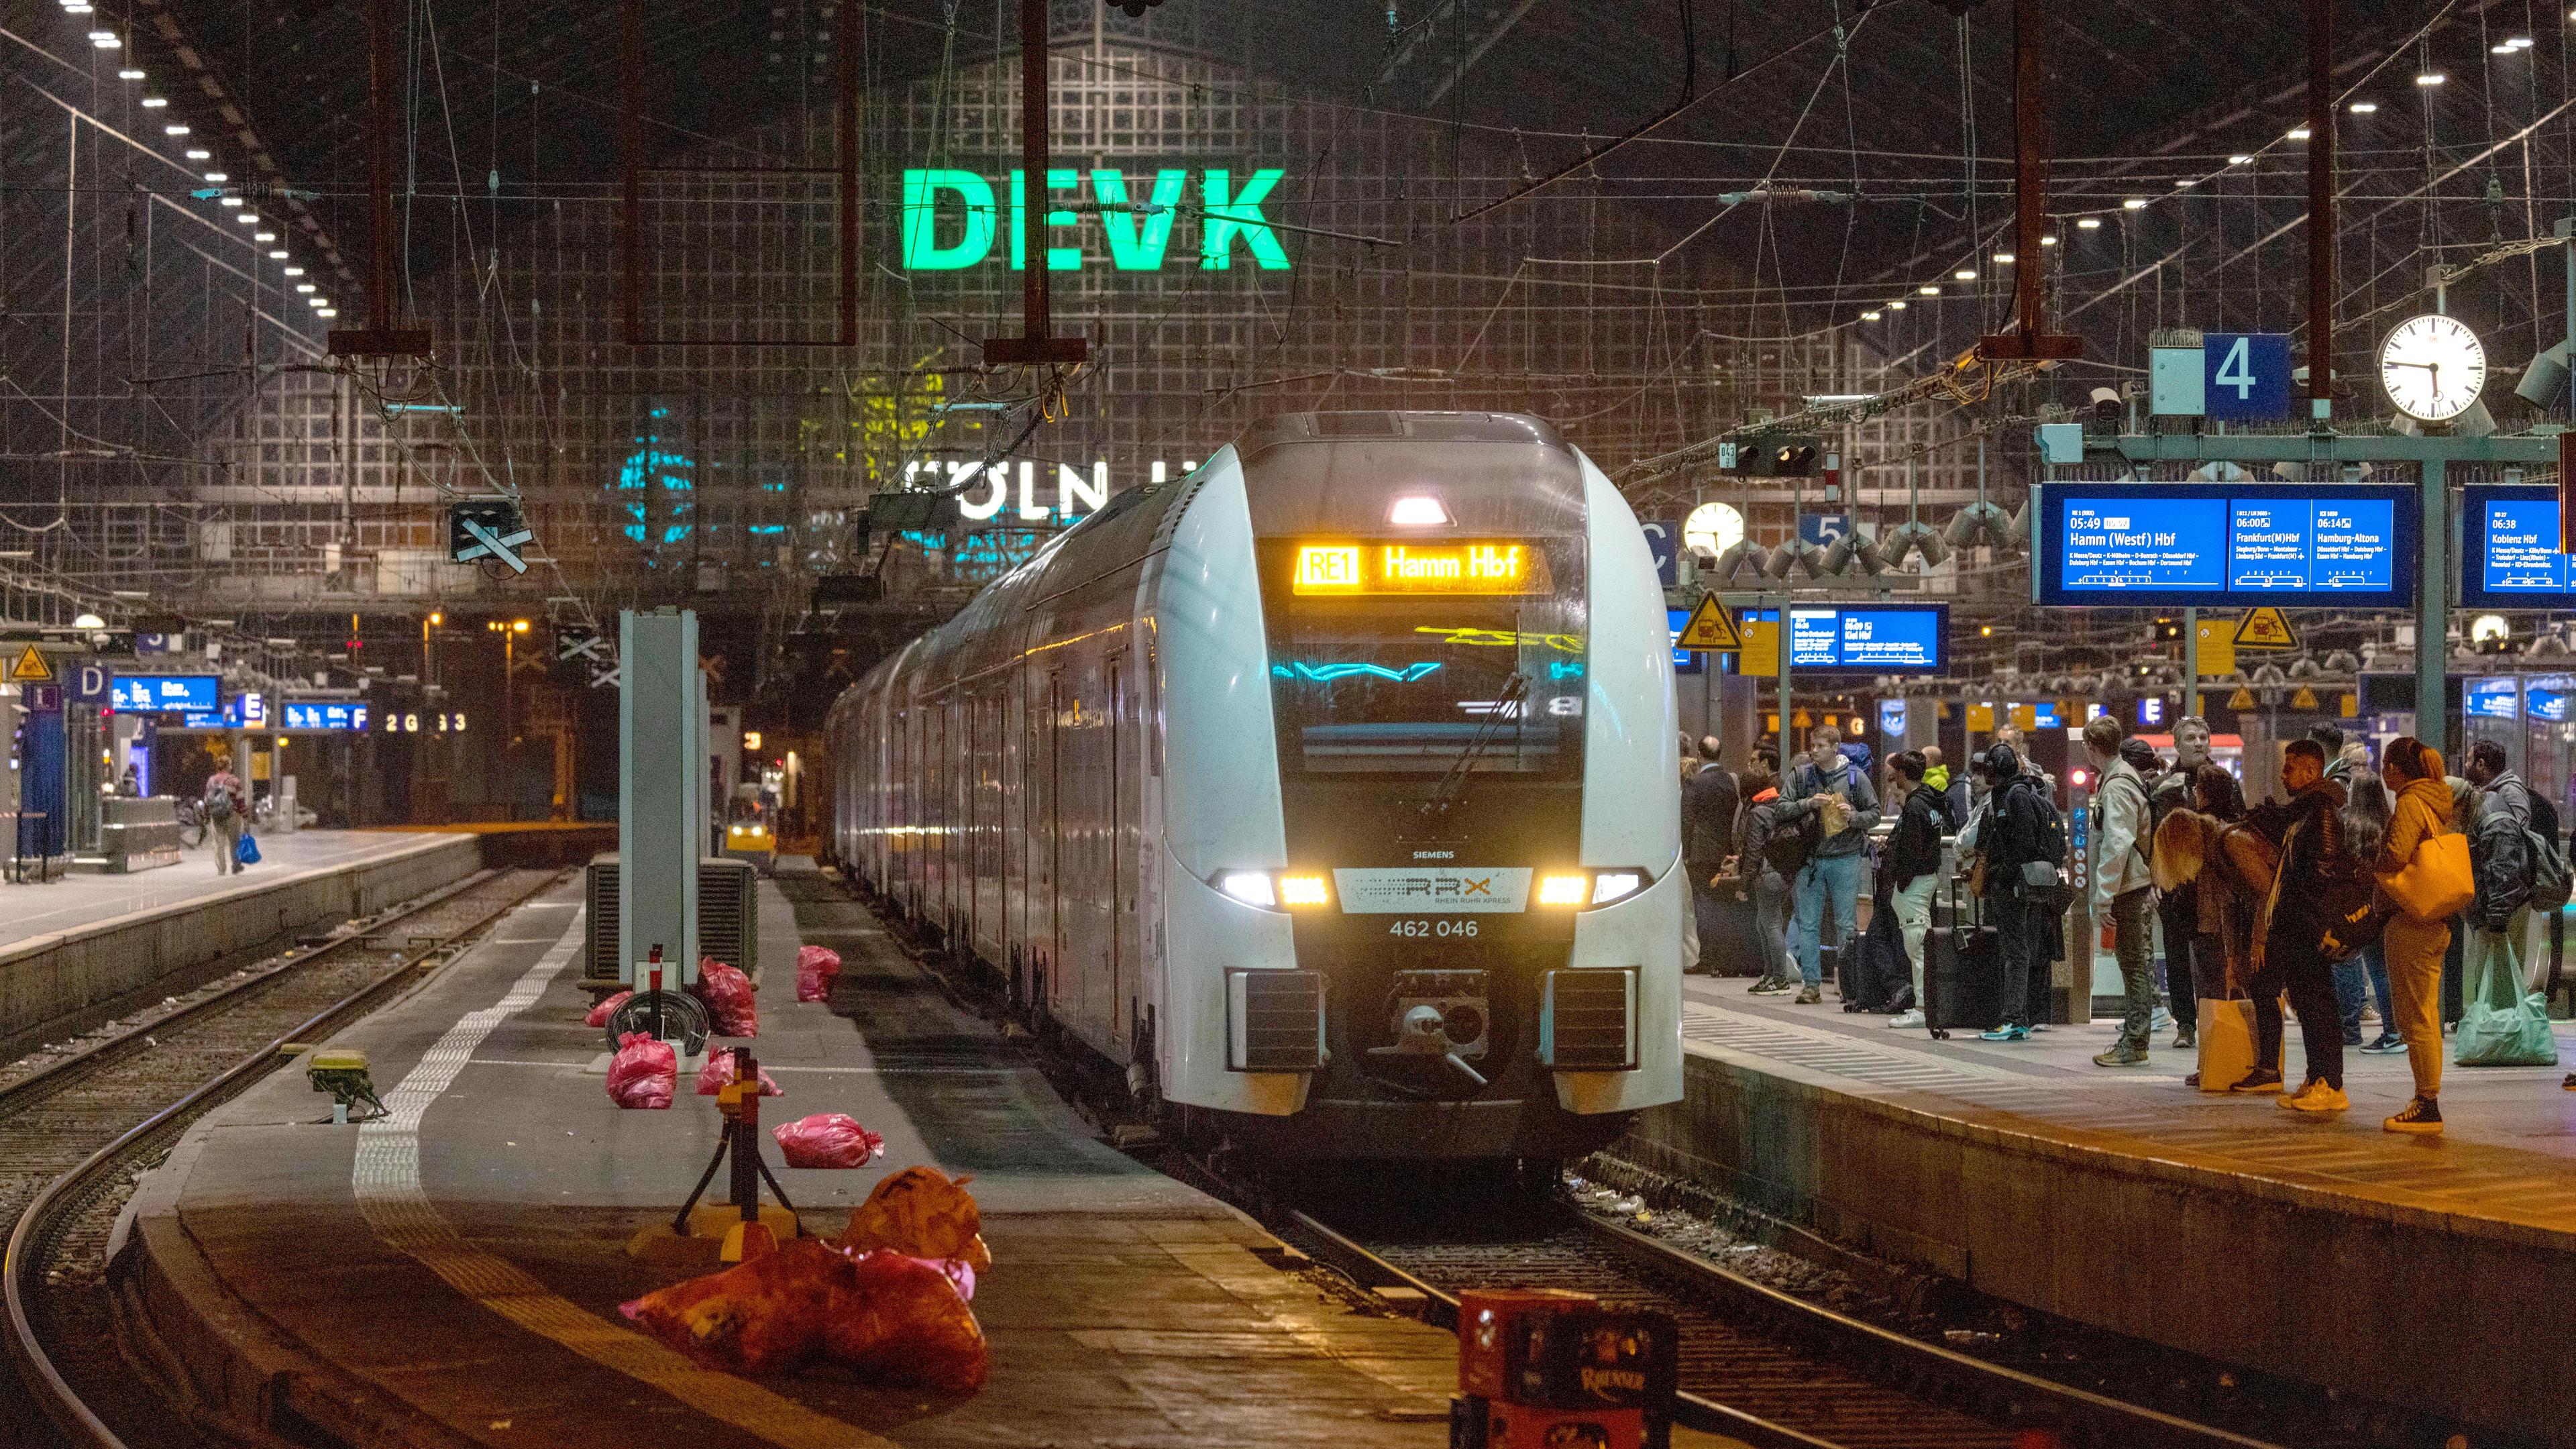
x=1328 y=791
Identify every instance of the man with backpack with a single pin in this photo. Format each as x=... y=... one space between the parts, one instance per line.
x=2021 y=840
x=1767 y=844
x=2123 y=890
x=1830 y=800
x=226 y=804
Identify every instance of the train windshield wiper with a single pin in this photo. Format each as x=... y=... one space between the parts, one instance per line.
x=1507 y=706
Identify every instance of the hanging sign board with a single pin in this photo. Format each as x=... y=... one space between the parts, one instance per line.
x=1860 y=638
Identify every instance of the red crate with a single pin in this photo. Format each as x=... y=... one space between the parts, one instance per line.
x=1490 y=1335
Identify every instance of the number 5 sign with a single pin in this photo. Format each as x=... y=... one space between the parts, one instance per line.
x=2247 y=376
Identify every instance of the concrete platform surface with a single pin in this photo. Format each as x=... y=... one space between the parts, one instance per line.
x=450 y=1276
x=2426 y=1271
x=69 y=902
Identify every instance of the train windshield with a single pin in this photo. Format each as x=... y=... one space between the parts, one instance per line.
x=1404 y=685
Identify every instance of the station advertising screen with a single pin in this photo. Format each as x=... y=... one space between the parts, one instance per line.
x=2173 y=545
x=163 y=693
x=2509 y=556
x=1864 y=638
x=332 y=715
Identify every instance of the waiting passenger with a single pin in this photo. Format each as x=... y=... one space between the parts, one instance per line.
x=1952 y=790
x=2307 y=830
x=2187 y=977
x=2413 y=773
x=2329 y=738
x=1912 y=865
x=2123 y=890
x=2500 y=853
x=2012 y=835
x=1757 y=878
x=1837 y=797
x=2364 y=978
x=1710 y=797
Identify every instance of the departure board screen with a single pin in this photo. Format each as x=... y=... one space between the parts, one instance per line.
x=156 y=693
x=1865 y=638
x=2509 y=556
x=2179 y=544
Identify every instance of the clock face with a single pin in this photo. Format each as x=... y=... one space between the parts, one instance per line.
x=2433 y=367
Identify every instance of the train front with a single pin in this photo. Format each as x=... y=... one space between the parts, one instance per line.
x=1471 y=709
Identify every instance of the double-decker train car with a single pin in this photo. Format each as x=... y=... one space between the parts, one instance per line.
x=1328 y=790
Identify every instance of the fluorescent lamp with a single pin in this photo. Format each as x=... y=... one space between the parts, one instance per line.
x=2435 y=77
x=1964 y=274
x=2088 y=223
x=2134 y=203
x=2365 y=108
x=154 y=103
x=2240 y=160
x=1928 y=290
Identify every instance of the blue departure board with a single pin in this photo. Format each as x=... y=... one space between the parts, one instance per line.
x=2166 y=545
x=2509 y=556
x=1865 y=638
x=329 y=715
x=157 y=693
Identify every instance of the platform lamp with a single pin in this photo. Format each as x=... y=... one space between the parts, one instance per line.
x=1852 y=548
x=1795 y=554
x=1983 y=521
x=1914 y=536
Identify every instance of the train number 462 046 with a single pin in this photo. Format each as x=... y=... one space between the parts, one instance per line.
x=1416 y=926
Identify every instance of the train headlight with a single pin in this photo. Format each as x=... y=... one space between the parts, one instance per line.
x=1563 y=890
x=1252 y=887
x=1302 y=890
x=1610 y=885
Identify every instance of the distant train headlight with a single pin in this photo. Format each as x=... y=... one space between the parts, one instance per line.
x=1301 y=890
x=1610 y=885
x=1563 y=890
x=1252 y=887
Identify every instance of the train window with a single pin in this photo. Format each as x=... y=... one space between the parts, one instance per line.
x=1397 y=685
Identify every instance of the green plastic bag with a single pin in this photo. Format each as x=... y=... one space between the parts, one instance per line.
x=2500 y=1025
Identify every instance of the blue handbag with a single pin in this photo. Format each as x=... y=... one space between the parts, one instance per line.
x=247 y=853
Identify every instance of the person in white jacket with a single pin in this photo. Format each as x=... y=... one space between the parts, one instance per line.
x=2124 y=892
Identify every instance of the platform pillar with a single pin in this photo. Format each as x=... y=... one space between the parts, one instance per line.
x=2433 y=609
x=661 y=789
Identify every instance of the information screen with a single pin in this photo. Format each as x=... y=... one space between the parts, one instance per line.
x=2498 y=697
x=1685 y=661
x=1468 y=566
x=2180 y=544
x=159 y=693
x=2509 y=549
x=325 y=714
x=1865 y=638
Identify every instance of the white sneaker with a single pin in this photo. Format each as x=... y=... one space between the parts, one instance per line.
x=1906 y=1021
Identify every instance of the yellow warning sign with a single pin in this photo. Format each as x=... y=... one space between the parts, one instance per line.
x=2306 y=698
x=31 y=666
x=2350 y=705
x=1802 y=720
x=2243 y=698
x=2266 y=628
x=1761 y=654
x=1711 y=627
x=2217 y=649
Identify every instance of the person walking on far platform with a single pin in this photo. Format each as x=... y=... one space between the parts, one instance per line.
x=2123 y=889
x=1844 y=808
x=227 y=804
x=1710 y=797
x=2414 y=950
x=1913 y=866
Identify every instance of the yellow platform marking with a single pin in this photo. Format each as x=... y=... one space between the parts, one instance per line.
x=386 y=1179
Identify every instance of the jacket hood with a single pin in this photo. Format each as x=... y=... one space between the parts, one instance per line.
x=1937 y=778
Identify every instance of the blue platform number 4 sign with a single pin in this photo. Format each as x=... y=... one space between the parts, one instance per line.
x=2248 y=378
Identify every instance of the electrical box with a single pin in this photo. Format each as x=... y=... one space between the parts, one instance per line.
x=2177 y=382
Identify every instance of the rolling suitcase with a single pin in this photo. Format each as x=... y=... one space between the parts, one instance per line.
x=1962 y=972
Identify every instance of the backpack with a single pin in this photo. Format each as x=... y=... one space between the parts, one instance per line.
x=1786 y=851
x=2048 y=843
x=2550 y=882
x=219 y=802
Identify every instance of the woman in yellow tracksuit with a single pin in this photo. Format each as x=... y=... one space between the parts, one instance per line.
x=2413 y=772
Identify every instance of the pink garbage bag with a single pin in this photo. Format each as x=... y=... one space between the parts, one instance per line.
x=827 y=1139
x=727 y=993
x=717 y=1075
x=761 y=1317
x=644 y=1073
x=607 y=1007
x=816 y=969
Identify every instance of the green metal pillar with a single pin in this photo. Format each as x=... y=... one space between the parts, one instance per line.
x=2433 y=606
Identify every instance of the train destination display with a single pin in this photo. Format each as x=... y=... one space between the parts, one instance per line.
x=2173 y=544
x=2509 y=549
x=1865 y=638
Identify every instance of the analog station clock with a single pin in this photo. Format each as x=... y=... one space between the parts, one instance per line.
x=2433 y=367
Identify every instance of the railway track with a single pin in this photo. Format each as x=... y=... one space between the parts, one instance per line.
x=76 y=1134
x=1757 y=1365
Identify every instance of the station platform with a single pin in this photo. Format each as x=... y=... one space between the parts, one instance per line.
x=69 y=902
x=2125 y=1199
x=451 y=1276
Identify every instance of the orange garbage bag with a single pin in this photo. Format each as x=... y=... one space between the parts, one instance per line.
x=644 y=1073
x=921 y=1212
x=727 y=993
x=761 y=1317
x=900 y=1320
